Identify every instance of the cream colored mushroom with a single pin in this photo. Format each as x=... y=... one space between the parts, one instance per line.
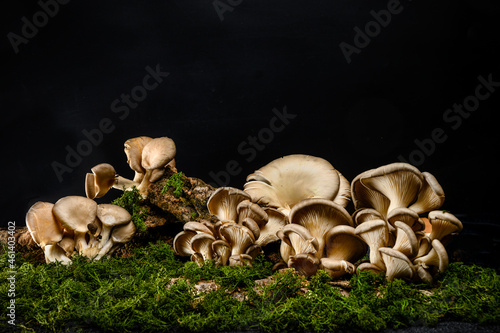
x=76 y=213
x=318 y=216
x=406 y=240
x=304 y=263
x=443 y=224
x=431 y=195
x=296 y=239
x=376 y=235
x=103 y=178
x=182 y=243
x=222 y=249
x=46 y=231
x=238 y=237
x=224 y=201
x=156 y=154
x=286 y=181
x=121 y=234
x=276 y=221
x=201 y=244
x=133 y=149
x=111 y=216
x=437 y=257
x=398 y=266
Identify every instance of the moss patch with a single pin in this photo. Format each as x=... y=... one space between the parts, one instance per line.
x=137 y=294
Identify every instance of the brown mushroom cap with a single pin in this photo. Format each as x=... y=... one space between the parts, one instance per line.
x=336 y=267
x=240 y=238
x=304 y=263
x=431 y=195
x=398 y=265
x=299 y=239
x=104 y=179
x=157 y=153
x=285 y=181
x=75 y=212
x=248 y=209
x=224 y=201
x=133 y=149
x=42 y=225
x=342 y=243
x=182 y=243
x=318 y=216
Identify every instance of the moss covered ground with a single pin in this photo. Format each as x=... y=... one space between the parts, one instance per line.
x=137 y=293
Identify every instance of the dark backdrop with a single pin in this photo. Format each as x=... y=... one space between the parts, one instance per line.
x=340 y=84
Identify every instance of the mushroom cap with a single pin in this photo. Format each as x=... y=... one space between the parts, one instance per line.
x=224 y=201
x=75 y=212
x=202 y=243
x=223 y=251
x=42 y=225
x=252 y=225
x=287 y=180
x=299 y=239
x=404 y=215
x=112 y=215
x=133 y=149
x=157 y=153
x=406 y=240
x=276 y=221
x=182 y=243
x=336 y=267
x=397 y=264
x=437 y=257
x=344 y=195
x=318 y=216
x=248 y=209
x=342 y=243
x=400 y=183
x=304 y=263
x=104 y=178
x=240 y=238
x=443 y=224
x=431 y=195
x=376 y=235
x=366 y=214
x=123 y=233
x=198 y=227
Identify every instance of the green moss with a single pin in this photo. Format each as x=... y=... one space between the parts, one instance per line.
x=137 y=294
x=130 y=200
x=177 y=182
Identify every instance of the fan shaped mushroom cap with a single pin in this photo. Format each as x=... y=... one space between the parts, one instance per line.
x=366 y=214
x=248 y=209
x=224 y=202
x=122 y=233
x=202 y=243
x=406 y=240
x=443 y=224
x=437 y=257
x=76 y=213
x=367 y=266
x=336 y=267
x=299 y=239
x=431 y=195
x=397 y=264
x=400 y=183
x=223 y=251
x=104 y=177
x=376 y=235
x=111 y=216
x=344 y=195
x=198 y=227
x=182 y=243
x=156 y=154
x=342 y=243
x=133 y=149
x=404 y=215
x=240 y=238
x=276 y=221
x=318 y=216
x=304 y=263
x=287 y=180
x=364 y=197
x=42 y=225
x=252 y=226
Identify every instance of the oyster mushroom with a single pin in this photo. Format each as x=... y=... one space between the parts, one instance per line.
x=224 y=201
x=304 y=263
x=437 y=257
x=299 y=239
x=222 y=249
x=431 y=195
x=285 y=181
x=201 y=244
x=318 y=216
x=443 y=224
x=239 y=238
x=111 y=216
x=406 y=240
x=182 y=243
x=103 y=178
x=76 y=213
x=46 y=231
x=133 y=149
x=398 y=265
x=156 y=154
x=120 y=234
x=276 y=221
x=376 y=235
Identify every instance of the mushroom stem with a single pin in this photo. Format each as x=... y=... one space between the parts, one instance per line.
x=80 y=241
x=105 y=249
x=146 y=180
x=124 y=184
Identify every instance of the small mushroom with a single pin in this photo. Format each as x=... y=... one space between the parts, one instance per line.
x=76 y=213
x=437 y=257
x=337 y=268
x=398 y=265
x=46 y=231
x=304 y=263
x=103 y=178
x=406 y=240
x=224 y=201
x=318 y=216
x=376 y=235
x=238 y=237
x=366 y=214
x=201 y=244
x=248 y=209
x=276 y=221
x=133 y=149
x=287 y=180
x=222 y=249
x=121 y=234
x=431 y=195
x=404 y=215
x=156 y=154
x=111 y=216
x=443 y=224
x=299 y=239
x=182 y=243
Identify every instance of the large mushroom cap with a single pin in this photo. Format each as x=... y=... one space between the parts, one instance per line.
x=75 y=212
x=399 y=183
x=100 y=181
x=318 y=216
x=157 y=153
x=112 y=215
x=42 y=225
x=342 y=243
x=285 y=181
x=224 y=201
x=376 y=235
x=431 y=195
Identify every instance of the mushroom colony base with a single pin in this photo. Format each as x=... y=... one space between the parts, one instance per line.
x=298 y=248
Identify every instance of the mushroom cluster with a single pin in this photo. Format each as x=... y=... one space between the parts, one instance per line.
x=390 y=202
x=76 y=224
x=237 y=238
x=146 y=156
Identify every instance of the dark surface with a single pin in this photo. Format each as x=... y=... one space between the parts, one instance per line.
x=226 y=77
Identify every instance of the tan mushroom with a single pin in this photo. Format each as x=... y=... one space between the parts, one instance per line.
x=366 y=214
x=182 y=243
x=201 y=243
x=222 y=249
x=318 y=216
x=156 y=154
x=437 y=257
x=406 y=240
x=443 y=224
x=121 y=234
x=276 y=221
x=398 y=266
x=76 y=213
x=247 y=209
x=285 y=181
x=224 y=201
x=376 y=235
x=133 y=149
x=431 y=195
x=103 y=178
x=238 y=237
x=46 y=231
x=304 y=263
x=111 y=216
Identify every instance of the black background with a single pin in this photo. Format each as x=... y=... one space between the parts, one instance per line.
x=225 y=78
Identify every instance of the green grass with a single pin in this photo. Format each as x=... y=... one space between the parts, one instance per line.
x=136 y=294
